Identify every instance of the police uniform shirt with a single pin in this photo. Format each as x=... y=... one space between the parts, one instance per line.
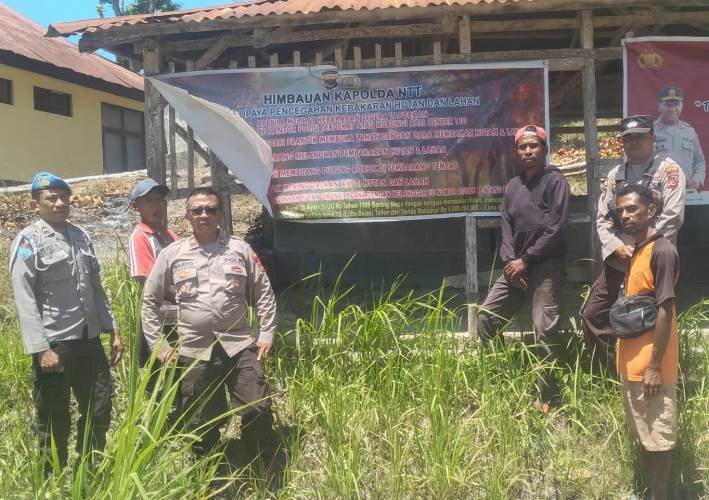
x=667 y=184
x=56 y=281
x=682 y=144
x=212 y=284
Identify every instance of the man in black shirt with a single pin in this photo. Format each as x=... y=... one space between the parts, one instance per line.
x=534 y=214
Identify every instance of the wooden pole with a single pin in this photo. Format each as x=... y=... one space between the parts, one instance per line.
x=154 y=120
x=590 y=130
x=471 y=272
x=190 y=158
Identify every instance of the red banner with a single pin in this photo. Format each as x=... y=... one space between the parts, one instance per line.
x=666 y=77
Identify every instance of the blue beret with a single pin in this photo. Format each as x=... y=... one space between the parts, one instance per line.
x=46 y=180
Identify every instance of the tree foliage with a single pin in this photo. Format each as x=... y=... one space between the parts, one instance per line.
x=136 y=6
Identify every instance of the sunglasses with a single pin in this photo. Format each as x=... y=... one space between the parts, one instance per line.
x=200 y=210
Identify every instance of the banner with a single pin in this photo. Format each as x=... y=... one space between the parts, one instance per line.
x=667 y=77
x=379 y=144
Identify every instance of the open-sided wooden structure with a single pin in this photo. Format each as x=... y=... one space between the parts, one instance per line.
x=580 y=38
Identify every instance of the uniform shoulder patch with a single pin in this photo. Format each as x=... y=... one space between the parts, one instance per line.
x=24 y=249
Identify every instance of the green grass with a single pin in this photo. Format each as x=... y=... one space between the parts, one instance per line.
x=374 y=400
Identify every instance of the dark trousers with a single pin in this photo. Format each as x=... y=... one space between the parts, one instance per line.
x=203 y=398
x=503 y=301
x=87 y=374
x=595 y=316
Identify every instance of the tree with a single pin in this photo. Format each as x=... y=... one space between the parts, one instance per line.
x=137 y=6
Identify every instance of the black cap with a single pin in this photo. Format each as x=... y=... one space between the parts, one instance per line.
x=637 y=124
x=671 y=94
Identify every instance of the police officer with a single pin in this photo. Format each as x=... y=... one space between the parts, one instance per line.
x=678 y=139
x=666 y=181
x=62 y=309
x=213 y=277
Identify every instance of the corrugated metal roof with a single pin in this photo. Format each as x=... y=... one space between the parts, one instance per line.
x=21 y=37
x=252 y=9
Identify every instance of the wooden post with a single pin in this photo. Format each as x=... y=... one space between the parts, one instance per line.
x=398 y=54
x=590 y=130
x=190 y=158
x=273 y=60
x=189 y=65
x=173 y=152
x=464 y=35
x=357 y=55
x=378 y=55
x=296 y=58
x=471 y=272
x=339 y=58
x=437 y=56
x=154 y=118
x=252 y=61
x=233 y=64
x=318 y=58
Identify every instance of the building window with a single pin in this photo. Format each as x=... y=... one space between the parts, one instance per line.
x=123 y=139
x=5 y=91
x=52 y=101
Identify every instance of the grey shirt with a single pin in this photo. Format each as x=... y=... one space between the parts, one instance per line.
x=57 y=286
x=212 y=284
x=682 y=144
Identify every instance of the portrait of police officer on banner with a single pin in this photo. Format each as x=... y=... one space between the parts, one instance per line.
x=678 y=139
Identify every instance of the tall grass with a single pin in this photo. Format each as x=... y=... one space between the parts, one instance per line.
x=373 y=399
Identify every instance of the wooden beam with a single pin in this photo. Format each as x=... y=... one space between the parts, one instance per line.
x=127 y=33
x=398 y=54
x=213 y=52
x=590 y=122
x=464 y=35
x=339 y=57
x=377 y=55
x=154 y=106
x=273 y=60
x=186 y=135
x=252 y=61
x=559 y=59
x=189 y=65
x=296 y=58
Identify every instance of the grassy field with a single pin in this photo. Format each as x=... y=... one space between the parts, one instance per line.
x=375 y=401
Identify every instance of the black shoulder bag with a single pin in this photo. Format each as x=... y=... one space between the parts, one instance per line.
x=632 y=316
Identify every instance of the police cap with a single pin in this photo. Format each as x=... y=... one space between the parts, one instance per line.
x=636 y=124
x=671 y=94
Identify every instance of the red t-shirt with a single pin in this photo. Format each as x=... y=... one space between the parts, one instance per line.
x=144 y=245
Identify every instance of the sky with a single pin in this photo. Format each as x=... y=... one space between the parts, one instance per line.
x=46 y=12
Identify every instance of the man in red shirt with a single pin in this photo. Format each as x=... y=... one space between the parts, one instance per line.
x=149 y=237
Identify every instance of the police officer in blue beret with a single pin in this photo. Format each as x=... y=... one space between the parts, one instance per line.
x=678 y=139
x=62 y=309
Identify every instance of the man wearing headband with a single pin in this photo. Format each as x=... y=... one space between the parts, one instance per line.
x=666 y=181
x=62 y=309
x=534 y=214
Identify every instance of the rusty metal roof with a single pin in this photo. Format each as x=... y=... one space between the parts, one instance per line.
x=252 y=9
x=23 y=43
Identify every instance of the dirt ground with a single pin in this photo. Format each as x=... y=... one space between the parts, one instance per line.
x=100 y=207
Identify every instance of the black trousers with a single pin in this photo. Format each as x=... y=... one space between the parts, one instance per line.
x=203 y=397
x=87 y=374
x=595 y=318
x=503 y=301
